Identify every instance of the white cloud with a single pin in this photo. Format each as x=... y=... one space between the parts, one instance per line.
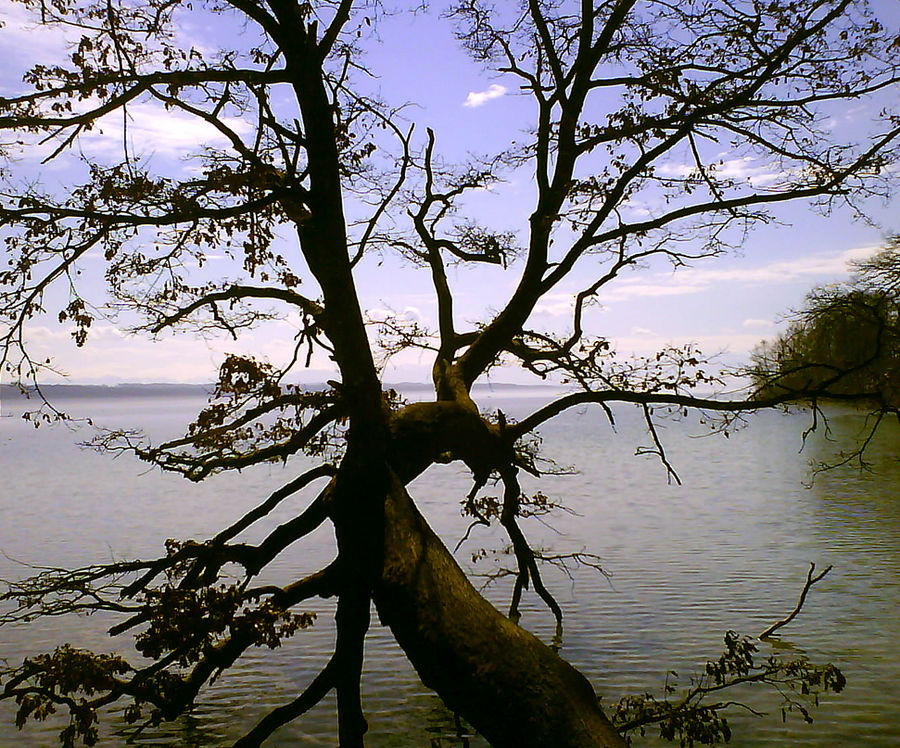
x=413 y=313
x=744 y=169
x=625 y=290
x=477 y=98
x=556 y=304
x=762 y=324
x=698 y=280
x=791 y=270
x=638 y=209
x=26 y=41
x=409 y=314
x=643 y=342
x=151 y=129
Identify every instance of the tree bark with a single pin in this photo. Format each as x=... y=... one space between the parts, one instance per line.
x=509 y=685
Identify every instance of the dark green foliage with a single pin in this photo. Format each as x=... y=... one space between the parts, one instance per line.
x=187 y=621
x=182 y=622
x=690 y=720
x=66 y=677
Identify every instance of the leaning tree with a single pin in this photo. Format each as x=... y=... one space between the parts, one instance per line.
x=306 y=177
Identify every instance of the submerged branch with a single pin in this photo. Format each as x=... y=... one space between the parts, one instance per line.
x=810 y=581
x=312 y=695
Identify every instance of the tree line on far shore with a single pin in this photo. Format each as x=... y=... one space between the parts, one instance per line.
x=844 y=341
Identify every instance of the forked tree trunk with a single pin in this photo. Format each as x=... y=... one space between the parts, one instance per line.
x=509 y=685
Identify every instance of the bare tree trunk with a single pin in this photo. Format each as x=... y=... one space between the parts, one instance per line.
x=509 y=685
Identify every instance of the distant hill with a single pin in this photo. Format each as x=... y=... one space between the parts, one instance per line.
x=63 y=391
x=159 y=389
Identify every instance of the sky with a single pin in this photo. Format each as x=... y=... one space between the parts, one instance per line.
x=725 y=305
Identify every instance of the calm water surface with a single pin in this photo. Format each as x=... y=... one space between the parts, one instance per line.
x=728 y=549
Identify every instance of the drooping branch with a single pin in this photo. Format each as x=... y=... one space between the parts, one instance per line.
x=525 y=556
x=312 y=695
x=692 y=717
x=553 y=409
x=57 y=591
x=185 y=627
x=197 y=467
x=658 y=449
x=235 y=293
x=24 y=301
x=273 y=501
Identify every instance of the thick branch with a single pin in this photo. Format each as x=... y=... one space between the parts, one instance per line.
x=517 y=430
x=235 y=293
x=170 y=218
x=274 y=500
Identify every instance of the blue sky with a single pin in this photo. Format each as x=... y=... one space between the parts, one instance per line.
x=726 y=304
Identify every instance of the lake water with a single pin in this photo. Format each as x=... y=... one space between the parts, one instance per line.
x=728 y=549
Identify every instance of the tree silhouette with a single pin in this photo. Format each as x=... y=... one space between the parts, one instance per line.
x=843 y=344
x=621 y=91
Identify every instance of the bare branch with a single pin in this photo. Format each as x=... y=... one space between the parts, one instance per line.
x=312 y=695
x=810 y=581
x=273 y=501
x=236 y=293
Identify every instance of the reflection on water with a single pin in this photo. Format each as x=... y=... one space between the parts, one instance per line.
x=727 y=550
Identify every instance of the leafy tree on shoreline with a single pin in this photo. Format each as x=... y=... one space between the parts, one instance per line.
x=843 y=345
x=619 y=90
x=844 y=342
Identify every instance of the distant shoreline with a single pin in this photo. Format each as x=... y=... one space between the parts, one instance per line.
x=63 y=391
x=165 y=389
